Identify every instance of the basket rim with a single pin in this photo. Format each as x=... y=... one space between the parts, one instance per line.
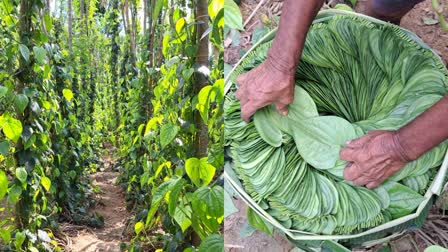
x=435 y=188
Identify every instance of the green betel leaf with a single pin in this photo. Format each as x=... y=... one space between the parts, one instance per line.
x=46 y=183
x=229 y=207
x=3 y=91
x=5 y=235
x=68 y=94
x=199 y=170
x=213 y=243
x=40 y=54
x=168 y=133
x=24 y=51
x=48 y=22
x=320 y=139
x=20 y=102
x=157 y=197
x=182 y=216
x=209 y=202
x=403 y=200
x=4 y=147
x=21 y=174
x=138 y=227
x=12 y=128
x=258 y=222
x=14 y=194
x=174 y=196
x=3 y=184
x=232 y=17
x=19 y=239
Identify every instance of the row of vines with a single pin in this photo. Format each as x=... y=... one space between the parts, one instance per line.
x=143 y=75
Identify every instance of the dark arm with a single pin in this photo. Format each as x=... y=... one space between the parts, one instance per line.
x=273 y=80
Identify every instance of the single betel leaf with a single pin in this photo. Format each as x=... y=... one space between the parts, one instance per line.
x=21 y=174
x=68 y=94
x=232 y=18
x=199 y=170
x=258 y=222
x=214 y=7
x=213 y=243
x=24 y=51
x=229 y=207
x=48 y=22
x=3 y=91
x=40 y=54
x=5 y=234
x=209 y=202
x=403 y=200
x=12 y=128
x=20 y=102
x=138 y=227
x=4 y=147
x=3 y=184
x=180 y=25
x=46 y=183
x=182 y=216
x=174 y=196
x=320 y=139
x=19 y=239
x=168 y=133
x=14 y=194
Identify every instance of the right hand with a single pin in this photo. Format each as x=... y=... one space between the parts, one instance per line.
x=264 y=85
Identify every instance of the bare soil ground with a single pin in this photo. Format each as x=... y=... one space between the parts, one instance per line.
x=434 y=231
x=111 y=205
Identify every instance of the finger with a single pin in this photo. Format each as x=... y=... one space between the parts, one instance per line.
x=352 y=172
x=361 y=181
x=248 y=110
x=359 y=142
x=241 y=80
x=282 y=108
x=347 y=154
x=373 y=184
x=240 y=95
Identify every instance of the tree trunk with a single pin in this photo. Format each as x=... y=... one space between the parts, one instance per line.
x=201 y=80
x=70 y=29
x=24 y=77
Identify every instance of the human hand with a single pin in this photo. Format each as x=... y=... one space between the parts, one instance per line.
x=264 y=85
x=373 y=158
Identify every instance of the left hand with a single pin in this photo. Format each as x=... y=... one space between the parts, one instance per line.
x=373 y=158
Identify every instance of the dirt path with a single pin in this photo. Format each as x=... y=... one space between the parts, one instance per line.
x=111 y=205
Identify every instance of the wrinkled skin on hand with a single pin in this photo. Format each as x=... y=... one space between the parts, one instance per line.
x=264 y=85
x=373 y=158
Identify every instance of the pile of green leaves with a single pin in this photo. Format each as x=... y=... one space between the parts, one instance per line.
x=354 y=76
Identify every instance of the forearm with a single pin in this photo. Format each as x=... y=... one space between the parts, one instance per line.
x=426 y=131
x=297 y=16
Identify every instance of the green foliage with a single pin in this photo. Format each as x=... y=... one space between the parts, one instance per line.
x=258 y=222
x=291 y=163
x=233 y=18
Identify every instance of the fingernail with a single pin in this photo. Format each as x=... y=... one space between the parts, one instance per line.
x=284 y=113
x=348 y=142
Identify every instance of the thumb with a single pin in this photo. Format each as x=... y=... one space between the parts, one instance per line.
x=282 y=108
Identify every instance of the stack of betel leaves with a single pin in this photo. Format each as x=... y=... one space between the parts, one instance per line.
x=354 y=76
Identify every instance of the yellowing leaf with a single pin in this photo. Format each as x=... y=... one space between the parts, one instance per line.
x=199 y=170
x=68 y=94
x=46 y=183
x=138 y=227
x=12 y=128
x=180 y=24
